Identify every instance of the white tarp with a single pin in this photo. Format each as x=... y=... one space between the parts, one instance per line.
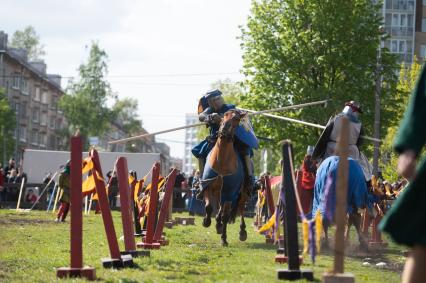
x=37 y=163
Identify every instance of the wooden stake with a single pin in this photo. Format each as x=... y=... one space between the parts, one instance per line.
x=20 y=194
x=341 y=196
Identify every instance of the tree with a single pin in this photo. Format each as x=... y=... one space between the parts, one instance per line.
x=28 y=39
x=8 y=125
x=297 y=51
x=85 y=107
x=407 y=80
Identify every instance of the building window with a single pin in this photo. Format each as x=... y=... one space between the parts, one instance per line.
x=34 y=137
x=42 y=139
x=36 y=115
x=15 y=82
x=25 y=86
x=23 y=110
x=424 y=2
x=37 y=94
x=52 y=122
x=43 y=119
x=44 y=97
x=423 y=25
x=423 y=51
x=23 y=134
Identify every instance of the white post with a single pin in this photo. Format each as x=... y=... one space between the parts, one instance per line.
x=20 y=194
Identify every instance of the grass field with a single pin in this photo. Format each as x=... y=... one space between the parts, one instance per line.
x=32 y=246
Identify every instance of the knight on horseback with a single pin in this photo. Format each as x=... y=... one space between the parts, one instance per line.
x=326 y=144
x=211 y=109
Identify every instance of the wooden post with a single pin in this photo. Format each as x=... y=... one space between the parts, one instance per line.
x=340 y=217
x=126 y=213
x=76 y=229
x=164 y=208
x=148 y=242
x=376 y=241
x=20 y=194
x=117 y=260
x=290 y=224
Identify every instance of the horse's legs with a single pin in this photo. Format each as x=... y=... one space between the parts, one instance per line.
x=243 y=232
x=226 y=213
x=356 y=220
x=209 y=209
x=219 y=224
x=349 y=222
x=325 y=244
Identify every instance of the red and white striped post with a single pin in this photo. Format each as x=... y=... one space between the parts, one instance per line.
x=148 y=242
x=126 y=210
x=117 y=260
x=164 y=208
x=76 y=229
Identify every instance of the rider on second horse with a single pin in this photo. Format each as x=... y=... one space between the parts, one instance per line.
x=211 y=109
x=326 y=144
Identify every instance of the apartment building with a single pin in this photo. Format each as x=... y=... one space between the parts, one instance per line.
x=405 y=23
x=190 y=142
x=34 y=95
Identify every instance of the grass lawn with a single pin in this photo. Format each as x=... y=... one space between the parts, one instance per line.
x=32 y=246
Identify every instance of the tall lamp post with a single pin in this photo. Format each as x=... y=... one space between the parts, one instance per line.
x=377 y=93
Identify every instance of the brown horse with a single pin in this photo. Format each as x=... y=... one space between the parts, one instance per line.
x=223 y=179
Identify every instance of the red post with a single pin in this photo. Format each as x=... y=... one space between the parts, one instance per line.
x=76 y=229
x=126 y=215
x=165 y=206
x=76 y=206
x=269 y=197
x=104 y=205
x=153 y=199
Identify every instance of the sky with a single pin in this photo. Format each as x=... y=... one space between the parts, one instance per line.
x=164 y=53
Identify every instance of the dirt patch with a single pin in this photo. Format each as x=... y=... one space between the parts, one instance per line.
x=21 y=221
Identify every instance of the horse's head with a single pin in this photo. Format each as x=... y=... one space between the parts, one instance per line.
x=230 y=121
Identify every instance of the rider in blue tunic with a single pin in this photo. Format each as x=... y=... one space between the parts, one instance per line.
x=211 y=109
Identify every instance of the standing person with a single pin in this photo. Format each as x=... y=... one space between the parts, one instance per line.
x=30 y=197
x=326 y=144
x=64 y=184
x=406 y=220
x=112 y=189
x=2 y=186
x=11 y=165
x=307 y=174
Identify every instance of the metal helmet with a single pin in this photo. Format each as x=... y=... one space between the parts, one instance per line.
x=215 y=99
x=352 y=108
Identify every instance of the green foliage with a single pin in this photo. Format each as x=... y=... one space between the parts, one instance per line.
x=7 y=126
x=297 y=51
x=85 y=108
x=407 y=80
x=33 y=246
x=28 y=39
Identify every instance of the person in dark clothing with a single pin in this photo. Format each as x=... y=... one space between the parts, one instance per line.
x=178 y=201
x=112 y=189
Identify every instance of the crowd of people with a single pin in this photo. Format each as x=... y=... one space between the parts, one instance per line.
x=11 y=177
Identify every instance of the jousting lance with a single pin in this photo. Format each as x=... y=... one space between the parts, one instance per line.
x=250 y=113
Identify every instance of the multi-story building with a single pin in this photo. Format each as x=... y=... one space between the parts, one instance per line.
x=405 y=23
x=190 y=142
x=34 y=96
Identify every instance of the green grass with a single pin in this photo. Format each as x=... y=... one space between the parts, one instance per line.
x=32 y=246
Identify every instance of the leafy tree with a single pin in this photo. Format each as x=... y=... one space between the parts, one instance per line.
x=28 y=39
x=297 y=51
x=85 y=108
x=407 y=80
x=7 y=126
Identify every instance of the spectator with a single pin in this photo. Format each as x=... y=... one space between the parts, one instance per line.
x=9 y=168
x=30 y=197
x=2 y=188
x=112 y=188
x=178 y=201
x=306 y=180
x=191 y=178
x=64 y=185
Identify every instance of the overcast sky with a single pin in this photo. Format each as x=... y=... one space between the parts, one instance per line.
x=165 y=53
